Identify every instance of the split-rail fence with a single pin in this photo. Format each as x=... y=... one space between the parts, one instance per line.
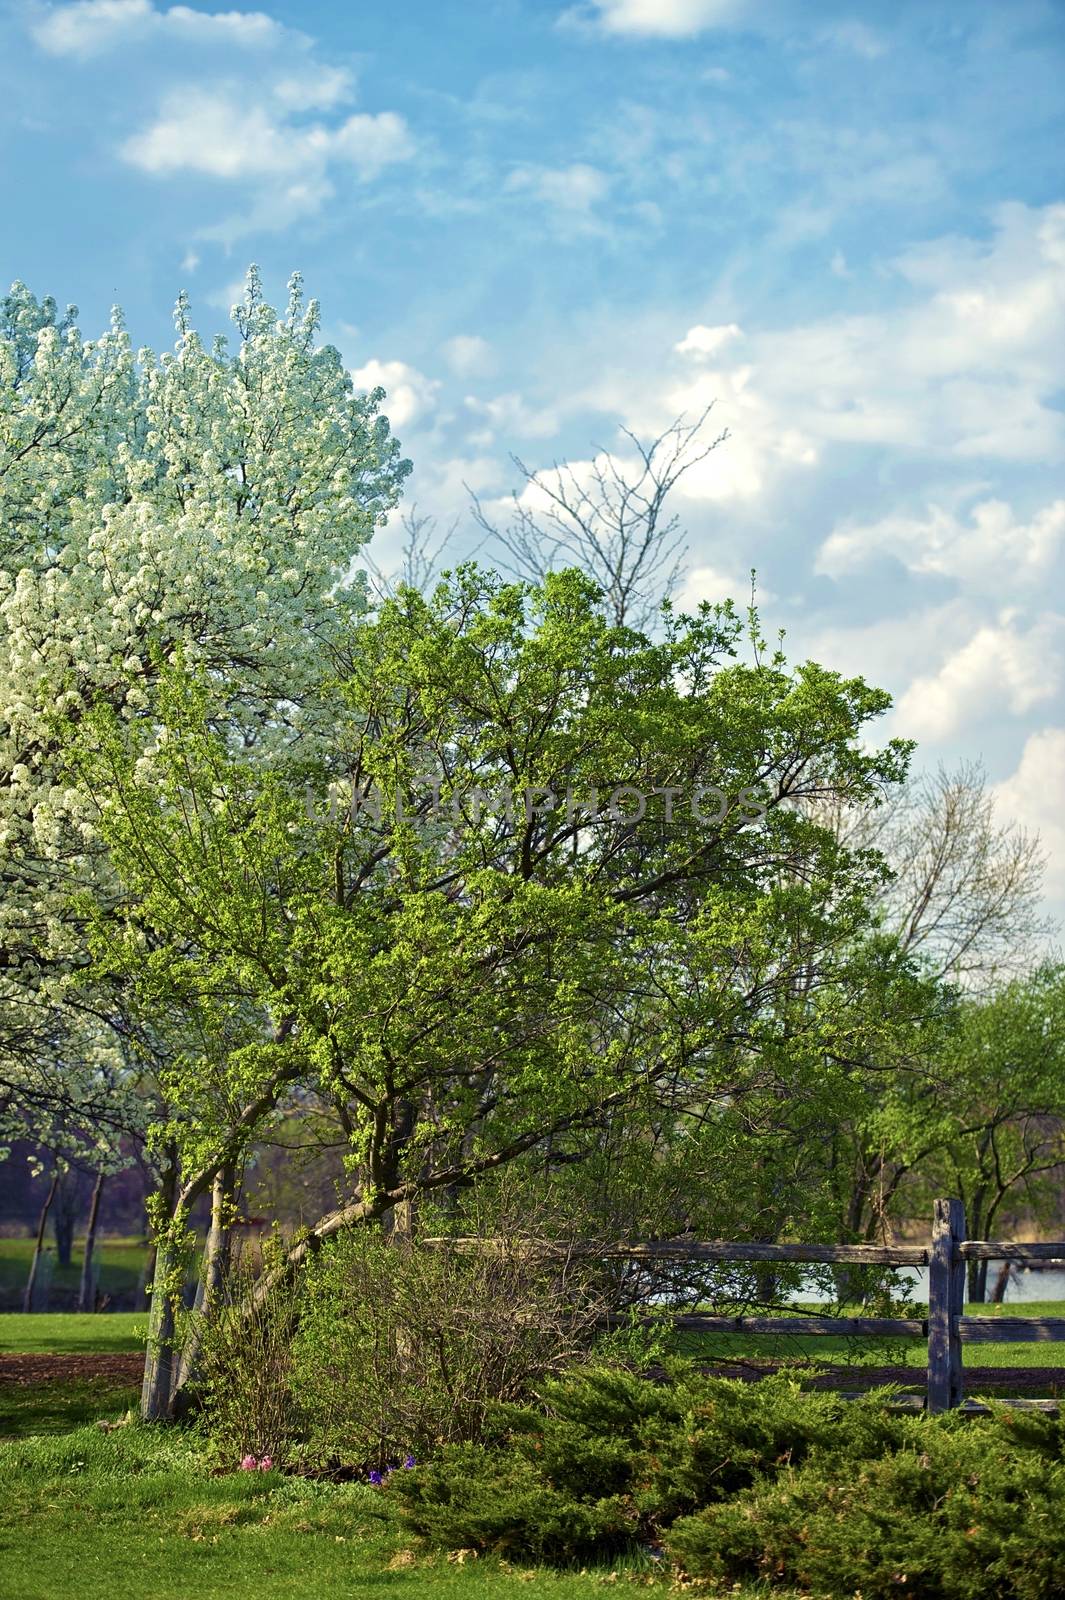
x=946 y=1328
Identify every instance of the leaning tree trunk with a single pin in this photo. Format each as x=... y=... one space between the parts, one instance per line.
x=998 y=1293
x=42 y=1223
x=86 y=1297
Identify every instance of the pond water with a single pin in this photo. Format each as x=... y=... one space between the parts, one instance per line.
x=1047 y=1283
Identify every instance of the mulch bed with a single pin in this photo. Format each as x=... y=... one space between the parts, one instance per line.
x=110 y=1367
x=113 y=1368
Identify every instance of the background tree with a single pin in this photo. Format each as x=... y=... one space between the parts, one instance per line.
x=961 y=898
x=990 y=1127
x=609 y=520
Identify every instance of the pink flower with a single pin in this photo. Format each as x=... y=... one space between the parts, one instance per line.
x=249 y=1464
x=266 y=1463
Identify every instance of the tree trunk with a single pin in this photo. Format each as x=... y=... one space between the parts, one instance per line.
x=31 y=1281
x=158 y=1382
x=64 y=1215
x=160 y=1358
x=998 y=1293
x=212 y=1274
x=977 y=1282
x=86 y=1297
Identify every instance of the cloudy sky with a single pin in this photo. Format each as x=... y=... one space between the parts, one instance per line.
x=533 y=222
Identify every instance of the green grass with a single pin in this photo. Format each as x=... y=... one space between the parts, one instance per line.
x=31 y=1409
x=118 y=1515
x=137 y=1510
x=67 y=1332
x=118 y=1265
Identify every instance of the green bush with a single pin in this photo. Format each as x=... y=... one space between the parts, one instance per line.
x=470 y=1498
x=615 y=1445
x=757 y=1482
x=955 y=1515
x=244 y=1370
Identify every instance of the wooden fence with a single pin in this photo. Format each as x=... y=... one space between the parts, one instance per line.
x=946 y=1328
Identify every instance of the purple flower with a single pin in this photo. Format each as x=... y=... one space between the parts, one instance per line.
x=376 y=1478
x=409 y=1461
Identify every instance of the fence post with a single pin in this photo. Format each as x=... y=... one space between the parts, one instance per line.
x=946 y=1299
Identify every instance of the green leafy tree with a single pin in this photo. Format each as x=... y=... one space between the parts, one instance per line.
x=465 y=980
x=989 y=1125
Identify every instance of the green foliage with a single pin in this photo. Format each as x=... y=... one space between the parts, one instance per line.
x=658 y=967
x=607 y=1442
x=245 y=1368
x=948 y=1513
x=759 y=1483
x=507 y=1505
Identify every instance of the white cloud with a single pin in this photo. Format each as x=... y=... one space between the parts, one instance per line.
x=469 y=356
x=221 y=136
x=703 y=341
x=991 y=551
x=1032 y=797
x=510 y=415
x=664 y=19
x=569 y=193
x=410 y=394
x=95 y=26
x=315 y=89
x=964 y=366
x=714 y=585
x=1003 y=667
x=243 y=118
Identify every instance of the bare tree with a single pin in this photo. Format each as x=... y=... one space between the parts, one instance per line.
x=966 y=887
x=610 y=522
x=421 y=553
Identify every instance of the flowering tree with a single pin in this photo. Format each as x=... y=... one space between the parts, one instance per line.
x=203 y=505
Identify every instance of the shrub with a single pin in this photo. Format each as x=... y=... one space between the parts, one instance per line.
x=470 y=1498
x=953 y=1516
x=632 y=1453
x=403 y=1347
x=758 y=1482
x=245 y=1370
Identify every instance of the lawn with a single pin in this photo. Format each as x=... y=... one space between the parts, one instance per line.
x=119 y=1264
x=114 y=1512
x=826 y=1349
x=134 y=1512
x=67 y=1332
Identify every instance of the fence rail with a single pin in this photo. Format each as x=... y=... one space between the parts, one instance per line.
x=946 y=1328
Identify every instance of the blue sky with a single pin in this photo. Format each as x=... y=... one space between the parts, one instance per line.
x=533 y=222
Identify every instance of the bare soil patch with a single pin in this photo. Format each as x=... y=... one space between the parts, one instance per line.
x=25 y=1371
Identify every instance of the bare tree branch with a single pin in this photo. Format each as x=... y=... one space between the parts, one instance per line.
x=610 y=522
